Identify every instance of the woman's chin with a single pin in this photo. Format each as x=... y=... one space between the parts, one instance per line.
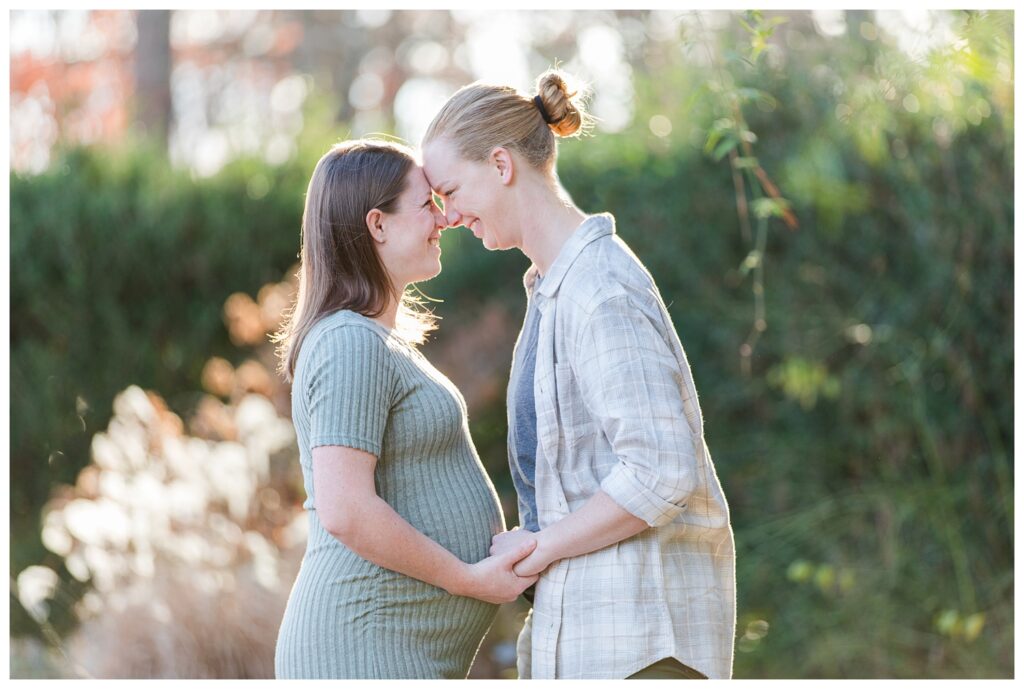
x=430 y=272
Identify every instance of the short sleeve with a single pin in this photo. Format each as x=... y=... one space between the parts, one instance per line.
x=349 y=386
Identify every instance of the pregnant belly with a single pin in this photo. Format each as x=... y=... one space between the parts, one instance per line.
x=462 y=521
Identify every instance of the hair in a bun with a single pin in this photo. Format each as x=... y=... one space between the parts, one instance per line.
x=564 y=107
x=479 y=117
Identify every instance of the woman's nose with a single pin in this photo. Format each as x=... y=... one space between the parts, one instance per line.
x=452 y=216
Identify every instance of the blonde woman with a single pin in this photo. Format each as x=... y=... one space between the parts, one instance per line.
x=396 y=581
x=634 y=547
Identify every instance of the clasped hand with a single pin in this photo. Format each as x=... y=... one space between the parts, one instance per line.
x=513 y=566
x=494 y=580
x=531 y=565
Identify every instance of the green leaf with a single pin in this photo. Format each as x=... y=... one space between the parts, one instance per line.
x=748 y=94
x=713 y=138
x=733 y=56
x=946 y=622
x=750 y=262
x=724 y=147
x=825 y=577
x=973 y=626
x=768 y=207
x=718 y=129
x=758 y=45
x=799 y=571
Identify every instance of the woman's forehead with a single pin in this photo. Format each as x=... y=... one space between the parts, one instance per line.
x=439 y=160
x=418 y=180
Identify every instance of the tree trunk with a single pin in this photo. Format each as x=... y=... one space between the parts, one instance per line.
x=153 y=74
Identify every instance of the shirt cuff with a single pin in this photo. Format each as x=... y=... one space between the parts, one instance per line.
x=633 y=496
x=346 y=440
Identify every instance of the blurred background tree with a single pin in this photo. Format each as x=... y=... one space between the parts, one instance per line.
x=824 y=199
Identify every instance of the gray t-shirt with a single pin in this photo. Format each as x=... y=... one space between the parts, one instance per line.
x=523 y=431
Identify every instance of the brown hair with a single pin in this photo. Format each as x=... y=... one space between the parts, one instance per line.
x=479 y=117
x=340 y=267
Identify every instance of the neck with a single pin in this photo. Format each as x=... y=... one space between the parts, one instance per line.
x=388 y=316
x=553 y=219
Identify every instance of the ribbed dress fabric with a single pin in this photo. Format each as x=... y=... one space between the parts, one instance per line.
x=360 y=386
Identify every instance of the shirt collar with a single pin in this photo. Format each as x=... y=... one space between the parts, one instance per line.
x=594 y=227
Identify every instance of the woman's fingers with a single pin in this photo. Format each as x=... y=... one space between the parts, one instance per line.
x=519 y=552
x=504 y=536
x=507 y=540
x=497 y=575
x=529 y=567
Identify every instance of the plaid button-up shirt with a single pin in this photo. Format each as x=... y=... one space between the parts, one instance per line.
x=617 y=411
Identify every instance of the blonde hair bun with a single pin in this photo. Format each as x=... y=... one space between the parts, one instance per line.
x=565 y=107
x=480 y=116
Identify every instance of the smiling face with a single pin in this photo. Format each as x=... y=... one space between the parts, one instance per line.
x=411 y=250
x=472 y=193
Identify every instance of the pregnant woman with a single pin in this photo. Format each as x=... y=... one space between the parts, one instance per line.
x=396 y=581
x=606 y=439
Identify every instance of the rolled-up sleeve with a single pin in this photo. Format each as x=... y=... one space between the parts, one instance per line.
x=632 y=386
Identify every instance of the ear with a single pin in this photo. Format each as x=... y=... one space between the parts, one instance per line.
x=501 y=160
x=375 y=224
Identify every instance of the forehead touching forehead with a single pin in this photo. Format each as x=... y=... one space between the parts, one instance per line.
x=416 y=182
x=441 y=163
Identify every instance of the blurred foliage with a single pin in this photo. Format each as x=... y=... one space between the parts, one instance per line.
x=188 y=544
x=866 y=444
x=122 y=269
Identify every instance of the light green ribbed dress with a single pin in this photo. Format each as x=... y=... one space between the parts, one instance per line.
x=360 y=386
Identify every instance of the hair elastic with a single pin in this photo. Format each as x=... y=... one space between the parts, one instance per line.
x=540 y=106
